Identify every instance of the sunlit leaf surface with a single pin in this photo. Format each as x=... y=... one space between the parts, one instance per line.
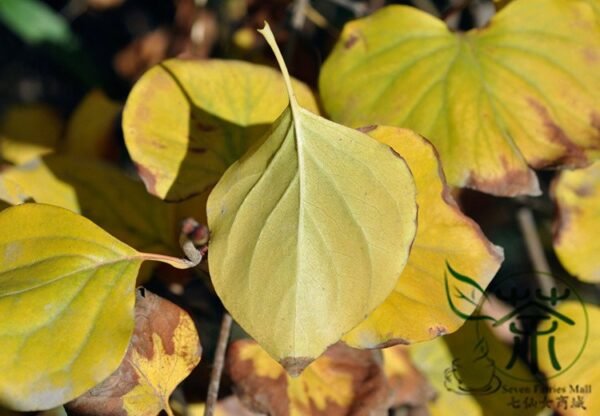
x=447 y=241
x=68 y=288
x=522 y=92
x=186 y=122
x=309 y=232
x=577 y=229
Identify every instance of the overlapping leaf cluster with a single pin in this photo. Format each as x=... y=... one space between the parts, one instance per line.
x=320 y=232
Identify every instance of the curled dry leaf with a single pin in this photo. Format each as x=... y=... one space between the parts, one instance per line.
x=577 y=226
x=522 y=92
x=309 y=232
x=343 y=381
x=418 y=307
x=186 y=122
x=162 y=352
x=68 y=287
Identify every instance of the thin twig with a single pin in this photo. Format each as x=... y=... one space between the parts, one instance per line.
x=298 y=18
x=535 y=249
x=217 y=370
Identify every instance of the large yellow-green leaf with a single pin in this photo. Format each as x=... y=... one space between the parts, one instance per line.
x=163 y=350
x=574 y=391
x=102 y=193
x=576 y=242
x=418 y=309
x=309 y=232
x=185 y=122
x=66 y=302
x=522 y=92
x=29 y=131
x=344 y=381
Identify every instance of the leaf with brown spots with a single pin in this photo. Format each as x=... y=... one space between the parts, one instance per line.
x=185 y=122
x=343 y=381
x=447 y=241
x=162 y=352
x=521 y=93
x=577 y=227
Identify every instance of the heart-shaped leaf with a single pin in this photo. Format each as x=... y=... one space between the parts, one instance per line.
x=344 y=381
x=447 y=243
x=523 y=91
x=185 y=122
x=163 y=350
x=577 y=196
x=309 y=232
x=67 y=296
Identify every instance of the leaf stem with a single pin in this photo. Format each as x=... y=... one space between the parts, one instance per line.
x=535 y=249
x=218 y=363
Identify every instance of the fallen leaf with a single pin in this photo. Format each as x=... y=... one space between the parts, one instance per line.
x=522 y=92
x=162 y=352
x=577 y=226
x=344 y=381
x=446 y=241
x=186 y=122
x=309 y=232
x=68 y=288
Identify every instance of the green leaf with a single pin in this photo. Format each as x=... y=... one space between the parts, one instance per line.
x=186 y=122
x=309 y=232
x=36 y=22
x=68 y=288
x=521 y=93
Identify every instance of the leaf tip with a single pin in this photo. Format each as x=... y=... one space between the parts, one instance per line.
x=295 y=365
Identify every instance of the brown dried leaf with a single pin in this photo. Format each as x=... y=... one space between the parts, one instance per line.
x=343 y=381
x=164 y=349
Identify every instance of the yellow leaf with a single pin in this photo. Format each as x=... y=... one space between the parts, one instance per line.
x=522 y=92
x=417 y=309
x=100 y=192
x=185 y=122
x=573 y=391
x=30 y=131
x=91 y=128
x=577 y=196
x=343 y=381
x=465 y=369
x=162 y=352
x=410 y=387
x=309 y=232
x=68 y=288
